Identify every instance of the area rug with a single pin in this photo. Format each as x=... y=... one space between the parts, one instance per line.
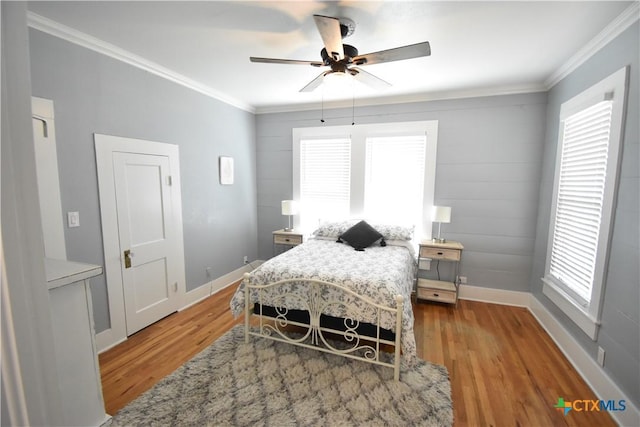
x=268 y=383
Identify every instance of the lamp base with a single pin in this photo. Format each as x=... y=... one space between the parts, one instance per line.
x=287 y=229
x=438 y=240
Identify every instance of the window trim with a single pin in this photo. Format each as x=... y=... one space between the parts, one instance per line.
x=358 y=135
x=612 y=87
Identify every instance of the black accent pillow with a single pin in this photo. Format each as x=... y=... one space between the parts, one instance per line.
x=360 y=236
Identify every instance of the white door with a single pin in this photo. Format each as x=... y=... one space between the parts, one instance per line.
x=143 y=200
x=142 y=230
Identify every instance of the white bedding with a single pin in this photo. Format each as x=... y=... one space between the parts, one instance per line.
x=379 y=273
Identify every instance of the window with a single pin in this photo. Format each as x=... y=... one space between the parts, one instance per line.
x=394 y=178
x=325 y=176
x=381 y=172
x=584 y=195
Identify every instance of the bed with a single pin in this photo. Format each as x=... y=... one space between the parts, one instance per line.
x=362 y=295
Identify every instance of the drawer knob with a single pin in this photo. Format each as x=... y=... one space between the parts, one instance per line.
x=440 y=253
x=436 y=295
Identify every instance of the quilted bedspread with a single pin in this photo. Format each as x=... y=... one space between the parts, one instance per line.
x=380 y=273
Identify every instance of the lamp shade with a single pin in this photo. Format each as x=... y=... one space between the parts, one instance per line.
x=441 y=214
x=289 y=207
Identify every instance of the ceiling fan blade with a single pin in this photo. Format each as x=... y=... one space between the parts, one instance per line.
x=313 y=84
x=369 y=79
x=399 y=53
x=329 y=29
x=285 y=61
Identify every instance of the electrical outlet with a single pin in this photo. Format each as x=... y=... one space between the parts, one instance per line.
x=601 y=356
x=463 y=280
x=246 y=259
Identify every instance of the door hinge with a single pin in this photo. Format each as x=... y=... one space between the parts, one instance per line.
x=169 y=181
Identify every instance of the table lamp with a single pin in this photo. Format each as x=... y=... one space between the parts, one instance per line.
x=441 y=214
x=289 y=207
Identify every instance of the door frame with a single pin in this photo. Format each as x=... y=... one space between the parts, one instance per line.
x=105 y=146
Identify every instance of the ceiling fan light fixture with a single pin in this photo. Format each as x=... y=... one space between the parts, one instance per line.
x=337 y=79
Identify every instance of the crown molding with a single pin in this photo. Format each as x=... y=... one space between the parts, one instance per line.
x=403 y=99
x=79 y=38
x=629 y=16
x=610 y=32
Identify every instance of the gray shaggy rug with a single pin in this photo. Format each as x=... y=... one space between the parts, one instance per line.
x=268 y=383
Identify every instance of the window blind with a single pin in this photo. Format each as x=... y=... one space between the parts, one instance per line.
x=394 y=178
x=579 y=203
x=325 y=178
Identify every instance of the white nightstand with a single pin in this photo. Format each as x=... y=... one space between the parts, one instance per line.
x=288 y=239
x=439 y=290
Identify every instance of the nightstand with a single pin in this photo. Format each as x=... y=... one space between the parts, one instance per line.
x=288 y=239
x=439 y=290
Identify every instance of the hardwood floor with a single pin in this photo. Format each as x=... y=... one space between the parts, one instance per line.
x=149 y=355
x=504 y=369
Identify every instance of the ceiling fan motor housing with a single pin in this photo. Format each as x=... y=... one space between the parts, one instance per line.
x=350 y=52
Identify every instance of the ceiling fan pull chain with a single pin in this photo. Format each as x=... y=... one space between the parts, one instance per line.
x=322 y=106
x=353 y=106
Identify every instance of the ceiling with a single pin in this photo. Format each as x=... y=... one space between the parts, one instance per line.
x=478 y=48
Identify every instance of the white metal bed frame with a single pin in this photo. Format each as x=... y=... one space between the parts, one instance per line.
x=316 y=305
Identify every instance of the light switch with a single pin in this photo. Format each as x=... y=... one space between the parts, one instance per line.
x=73 y=219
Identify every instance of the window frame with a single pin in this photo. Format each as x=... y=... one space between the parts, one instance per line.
x=358 y=135
x=587 y=317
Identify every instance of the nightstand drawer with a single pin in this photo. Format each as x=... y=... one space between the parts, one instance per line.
x=286 y=240
x=437 y=253
x=437 y=295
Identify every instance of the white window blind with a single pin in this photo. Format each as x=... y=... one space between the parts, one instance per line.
x=581 y=186
x=394 y=178
x=325 y=179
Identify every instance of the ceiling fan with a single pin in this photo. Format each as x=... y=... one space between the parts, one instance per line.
x=341 y=58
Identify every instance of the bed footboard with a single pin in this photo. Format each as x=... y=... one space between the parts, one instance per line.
x=356 y=346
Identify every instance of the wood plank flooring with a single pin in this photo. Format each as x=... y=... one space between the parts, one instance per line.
x=504 y=369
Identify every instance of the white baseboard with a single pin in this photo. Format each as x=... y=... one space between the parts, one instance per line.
x=105 y=339
x=194 y=296
x=494 y=296
x=592 y=373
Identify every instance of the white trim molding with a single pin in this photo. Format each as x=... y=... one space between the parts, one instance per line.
x=494 y=296
x=593 y=374
x=610 y=32
x=203 y=292
x=580 y=317
x=79 y=38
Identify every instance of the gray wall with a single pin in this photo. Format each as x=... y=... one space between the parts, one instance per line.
x=620 y=331
x=94 y=93
x=488 y=170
